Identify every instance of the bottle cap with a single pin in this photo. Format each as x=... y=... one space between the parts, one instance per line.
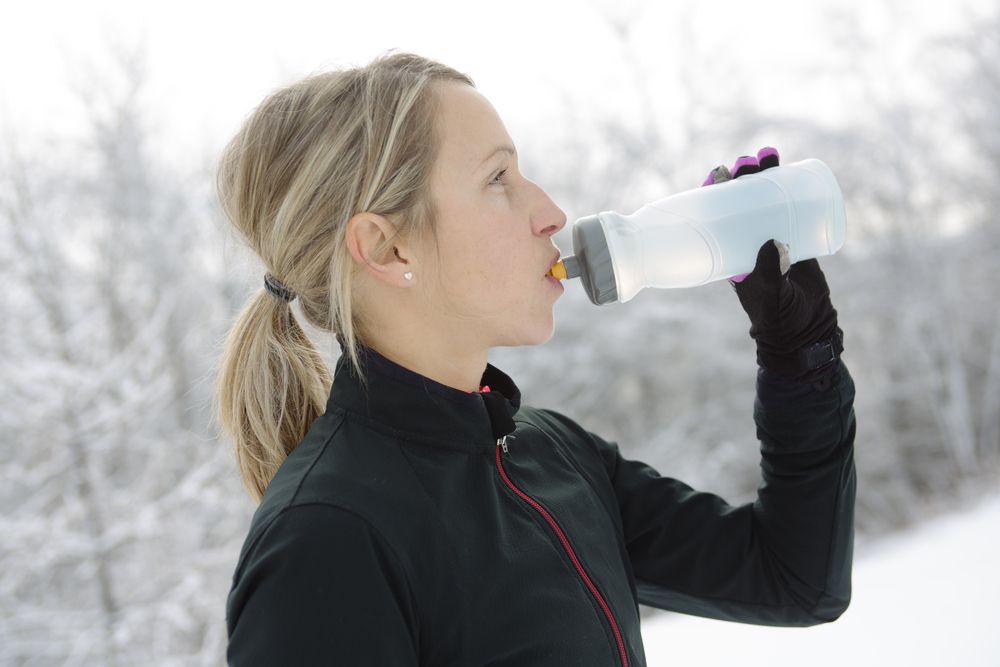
x=595 y=266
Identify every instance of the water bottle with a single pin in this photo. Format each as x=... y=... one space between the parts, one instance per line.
x=706 y=234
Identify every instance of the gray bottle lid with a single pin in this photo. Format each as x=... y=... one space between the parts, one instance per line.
x=592 y=261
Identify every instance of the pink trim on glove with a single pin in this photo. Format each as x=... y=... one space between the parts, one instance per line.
x=749 y=165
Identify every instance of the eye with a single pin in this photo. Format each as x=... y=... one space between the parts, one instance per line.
x=498 y=179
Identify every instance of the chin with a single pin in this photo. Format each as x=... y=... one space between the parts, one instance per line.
x=525 y=338
x=538 y=336
x=531 y=329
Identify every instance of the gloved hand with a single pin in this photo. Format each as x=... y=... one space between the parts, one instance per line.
x=791 y=316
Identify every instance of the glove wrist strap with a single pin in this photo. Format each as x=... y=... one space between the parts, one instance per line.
x=822 y=353
x=805 y=365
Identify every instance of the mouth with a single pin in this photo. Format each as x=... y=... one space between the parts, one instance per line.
x=551 y=279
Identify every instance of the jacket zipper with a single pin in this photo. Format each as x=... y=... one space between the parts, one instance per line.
x=502 y=442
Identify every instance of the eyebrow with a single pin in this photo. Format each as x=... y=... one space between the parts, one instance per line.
x=509 y=150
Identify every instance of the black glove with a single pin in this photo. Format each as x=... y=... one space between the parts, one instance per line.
x=791 y=316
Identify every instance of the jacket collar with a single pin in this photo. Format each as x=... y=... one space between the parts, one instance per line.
x=416 y=408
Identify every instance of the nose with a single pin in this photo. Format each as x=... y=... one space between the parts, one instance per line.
x=546 y=217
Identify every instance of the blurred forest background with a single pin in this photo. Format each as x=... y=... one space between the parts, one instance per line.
x=121 y=515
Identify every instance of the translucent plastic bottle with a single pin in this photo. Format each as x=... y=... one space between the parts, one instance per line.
x=709 y=233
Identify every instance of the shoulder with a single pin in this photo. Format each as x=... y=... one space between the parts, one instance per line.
x=551 y=422
x=329 y=517
x=589 y=452
x=562 y=429
x=313 y=537
x=337 y=479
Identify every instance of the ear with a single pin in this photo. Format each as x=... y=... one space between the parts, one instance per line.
x=367 y=237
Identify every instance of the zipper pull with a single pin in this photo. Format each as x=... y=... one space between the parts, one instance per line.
x=502 y=442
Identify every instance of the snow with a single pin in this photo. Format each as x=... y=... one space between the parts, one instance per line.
x=927 y=597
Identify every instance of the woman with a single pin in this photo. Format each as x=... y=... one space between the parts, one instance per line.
x=417 y=514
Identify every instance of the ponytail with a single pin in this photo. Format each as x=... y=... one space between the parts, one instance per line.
x=272 y=384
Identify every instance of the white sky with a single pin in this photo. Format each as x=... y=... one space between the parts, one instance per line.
x=209 y=62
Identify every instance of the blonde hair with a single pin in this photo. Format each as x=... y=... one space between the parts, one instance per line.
x=305 y=161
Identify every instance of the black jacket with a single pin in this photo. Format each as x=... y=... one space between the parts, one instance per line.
x=399 y=532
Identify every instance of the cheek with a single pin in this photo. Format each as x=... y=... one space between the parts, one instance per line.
x=484 y=280
x=476 y=247
x=487 y=260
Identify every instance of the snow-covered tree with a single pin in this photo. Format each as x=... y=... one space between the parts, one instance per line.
x=119 y=518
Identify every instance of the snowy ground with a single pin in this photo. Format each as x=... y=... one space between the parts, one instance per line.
x=928 y=597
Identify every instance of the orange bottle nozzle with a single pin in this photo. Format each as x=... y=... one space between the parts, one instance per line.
x=558 y=271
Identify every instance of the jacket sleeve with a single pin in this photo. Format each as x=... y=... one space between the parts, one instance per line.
x=784 y=559
x=313 y=589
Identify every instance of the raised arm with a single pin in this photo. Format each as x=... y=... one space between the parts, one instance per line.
x=784 y=559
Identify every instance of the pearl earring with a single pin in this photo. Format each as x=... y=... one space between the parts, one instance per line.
x=408 y=275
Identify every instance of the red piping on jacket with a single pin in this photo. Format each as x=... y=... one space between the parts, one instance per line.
x=569 y=550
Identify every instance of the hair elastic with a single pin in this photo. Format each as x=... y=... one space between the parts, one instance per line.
x=278 y=290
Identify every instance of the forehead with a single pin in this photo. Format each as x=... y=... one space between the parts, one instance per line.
x=469 y=127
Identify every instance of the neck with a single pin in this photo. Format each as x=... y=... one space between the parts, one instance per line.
x=404 y=328
x=450 y=353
